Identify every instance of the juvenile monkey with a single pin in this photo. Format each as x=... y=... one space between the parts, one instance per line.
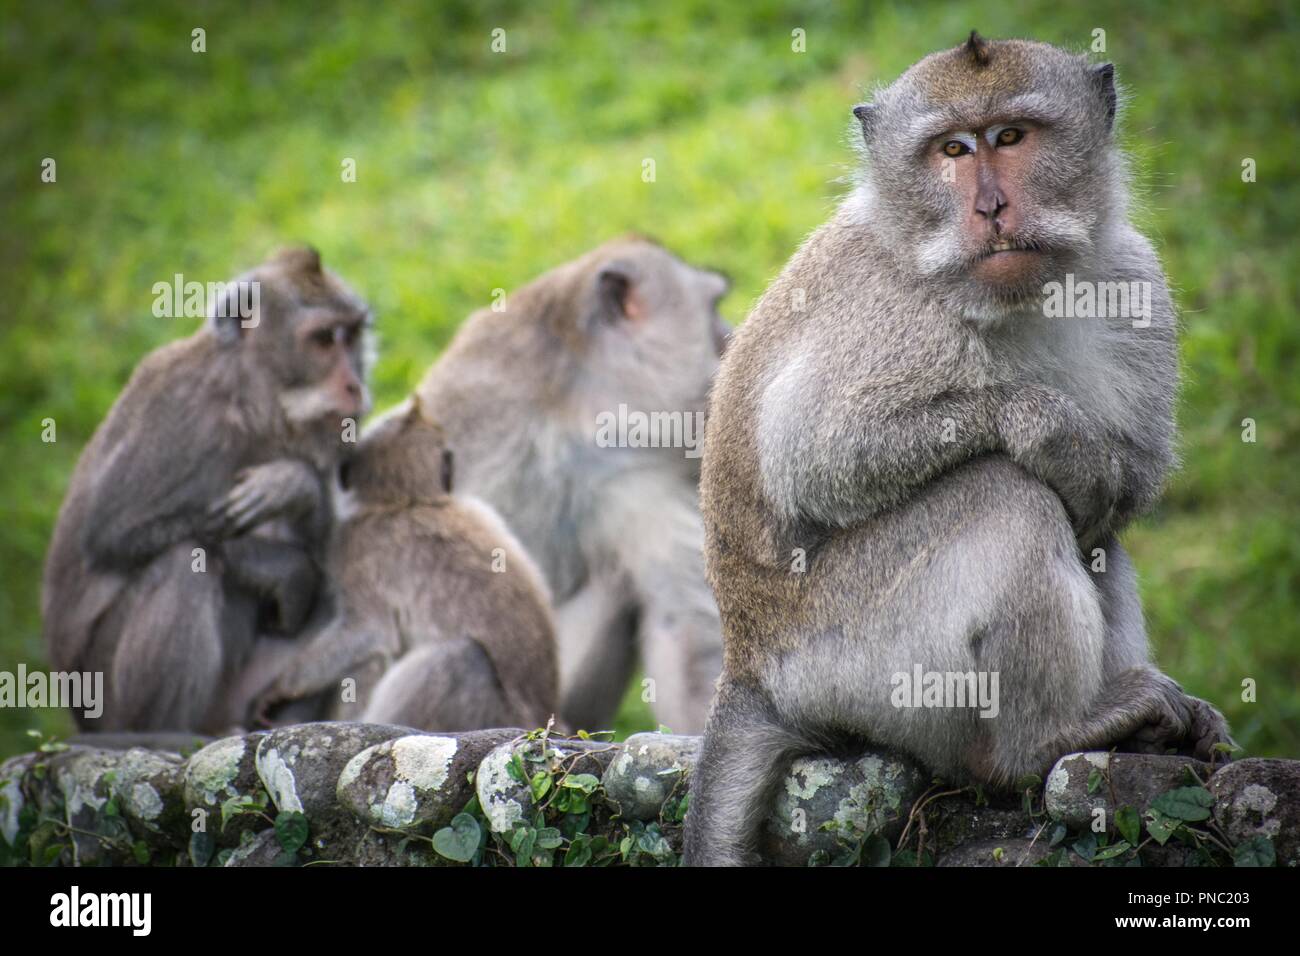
x=441 y=618
x=190 y=530
x=910 y=462
x=528 y=395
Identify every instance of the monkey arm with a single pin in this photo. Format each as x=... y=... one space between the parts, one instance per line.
x=838 y=463
x=1147 y=355
x=338 y=650
x=660 y=551
x=140 y=506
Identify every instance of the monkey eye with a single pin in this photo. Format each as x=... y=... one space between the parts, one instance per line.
x=1010 y=136
x=323 y=338
x=955 y=147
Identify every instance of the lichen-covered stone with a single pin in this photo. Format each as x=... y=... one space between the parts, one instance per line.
x=828 y=804
x=12 y=797
x=647 y=771
x=417 y=779
x=82 y=779
x=1006 y=852
x=505 y=800
x=300 y=765
x=222 y=770
x=263 y=849
x=959 y=818
x=1131 y=780
x=150 y=790
x=1260 y=797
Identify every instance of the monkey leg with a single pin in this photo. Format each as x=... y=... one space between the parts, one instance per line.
x=596 y=632
x=443 y=686
x=282 y=576
x=745 y=755
x=1179 y=721
x=172 y=651
x=1126 y=633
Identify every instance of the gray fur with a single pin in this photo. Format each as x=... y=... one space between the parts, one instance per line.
x=945 y=456
x=200 y=451
x=615 y=530
x=441 y=620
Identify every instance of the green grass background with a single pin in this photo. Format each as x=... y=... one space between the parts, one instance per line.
x=478 y=170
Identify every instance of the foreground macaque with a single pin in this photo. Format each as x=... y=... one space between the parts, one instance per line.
x=441 y=620
x=191 y=526
x=912 y=464
x=535 y=398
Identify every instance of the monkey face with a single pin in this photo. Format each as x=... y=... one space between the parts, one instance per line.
x=309 y=331
x=992 y=169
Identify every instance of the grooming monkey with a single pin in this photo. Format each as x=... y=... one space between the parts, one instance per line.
x=441 y=619
x=616 y=530
x=191 y=526
x=908 y=463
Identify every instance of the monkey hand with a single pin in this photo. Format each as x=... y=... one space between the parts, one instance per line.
x=1177 y=721
x=263 y=707
x=1050 y=436
x=281 y=488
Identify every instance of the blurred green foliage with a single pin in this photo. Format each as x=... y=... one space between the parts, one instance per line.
x=478 y=170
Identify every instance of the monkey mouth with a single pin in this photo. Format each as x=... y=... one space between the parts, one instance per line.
x=1009 y=245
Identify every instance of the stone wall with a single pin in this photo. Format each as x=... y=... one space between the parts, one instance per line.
x=362 y=794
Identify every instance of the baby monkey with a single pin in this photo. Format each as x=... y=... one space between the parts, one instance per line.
x=442 y=622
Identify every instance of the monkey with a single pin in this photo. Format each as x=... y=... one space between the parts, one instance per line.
x=909 y=463
x=529 y=392
x=441 y=618
x=192 y=528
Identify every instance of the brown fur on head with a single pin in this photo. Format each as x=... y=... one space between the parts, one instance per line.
x=291 y=322
x=991 y=169
x=402 y=459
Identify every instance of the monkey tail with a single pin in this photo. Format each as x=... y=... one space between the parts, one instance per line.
x=747 y=752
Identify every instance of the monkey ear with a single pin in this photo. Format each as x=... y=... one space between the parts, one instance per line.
x=236 y=302
x=448 y=469
x=617 y=294
x=299 y=259
x=1103 y=77
x=866 y=114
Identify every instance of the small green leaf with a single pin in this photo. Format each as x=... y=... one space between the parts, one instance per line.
x=1094 y=780
x=579 y=852
x=1059 y=833
x=140 y=850
x=549 y=838
x=1160 y=826
x=1185 y=803
x=1052 y=859
x=1257 y=851
x=585 y=782
x=1129 y=824
x=516 y=769
x=875 y=851
x=291 y=830
x=458 y=841
x=1110 y=852
x=201 y=847
x=540 y=785
x=1086 y=846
